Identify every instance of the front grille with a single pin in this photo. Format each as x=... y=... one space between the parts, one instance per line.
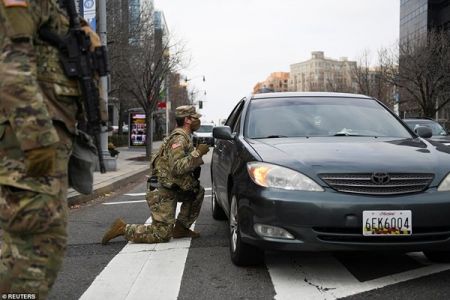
x=362 y=183
x=354 y=235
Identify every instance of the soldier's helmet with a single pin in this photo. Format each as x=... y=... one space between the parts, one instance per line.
x=186 y=111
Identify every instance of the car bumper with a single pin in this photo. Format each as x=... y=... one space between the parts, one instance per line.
x=332 y=221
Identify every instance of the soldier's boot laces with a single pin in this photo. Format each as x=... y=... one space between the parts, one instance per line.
x=179 y=231
x=116 y=229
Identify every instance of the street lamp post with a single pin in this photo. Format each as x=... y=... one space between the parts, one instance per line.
x=110 y=162
x=167 y=105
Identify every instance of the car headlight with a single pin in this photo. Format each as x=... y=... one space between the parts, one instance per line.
x=445 y=184
x=274 y=176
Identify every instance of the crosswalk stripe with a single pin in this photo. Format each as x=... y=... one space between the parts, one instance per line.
x=135 y=194
x=307 y=276
x=124 y=202
x=141 y=270
x=135 y=201
x=143 y=194
x=322 y=276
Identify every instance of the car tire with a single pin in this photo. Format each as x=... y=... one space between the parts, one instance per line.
x=242 y=254
x=217 y=211
x=438 y=256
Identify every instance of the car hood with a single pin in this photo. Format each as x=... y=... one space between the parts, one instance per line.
x=355 y=155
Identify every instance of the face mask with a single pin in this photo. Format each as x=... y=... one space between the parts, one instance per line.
x=195 y=124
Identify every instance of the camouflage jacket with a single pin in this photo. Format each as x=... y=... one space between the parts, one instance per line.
x=22 y=102
x=33 y=87
x=176 y=160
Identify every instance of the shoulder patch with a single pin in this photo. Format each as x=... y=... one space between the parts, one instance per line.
x=176 y=145
x=15 y=3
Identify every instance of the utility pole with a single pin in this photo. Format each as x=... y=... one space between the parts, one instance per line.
x=110 y=162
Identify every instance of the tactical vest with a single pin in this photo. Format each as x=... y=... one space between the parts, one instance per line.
x=160 y=167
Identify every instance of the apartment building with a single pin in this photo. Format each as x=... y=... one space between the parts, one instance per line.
x=320 y=73
x=276 y=82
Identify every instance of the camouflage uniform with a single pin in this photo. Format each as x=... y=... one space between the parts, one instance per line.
x=38 y=108
x=174 y=169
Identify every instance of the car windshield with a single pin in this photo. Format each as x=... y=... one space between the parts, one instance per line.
x=435 y=127
x=205 y=128
x=311 y=117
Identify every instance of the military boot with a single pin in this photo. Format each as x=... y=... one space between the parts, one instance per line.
x=117 y=229
x=179 y=231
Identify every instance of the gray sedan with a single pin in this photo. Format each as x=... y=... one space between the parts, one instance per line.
x=328 y=172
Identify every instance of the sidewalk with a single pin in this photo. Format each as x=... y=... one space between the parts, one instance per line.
x=128 y=171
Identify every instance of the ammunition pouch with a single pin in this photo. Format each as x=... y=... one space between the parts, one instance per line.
x=82 y=164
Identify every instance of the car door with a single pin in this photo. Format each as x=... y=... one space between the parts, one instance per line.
x=223 y=157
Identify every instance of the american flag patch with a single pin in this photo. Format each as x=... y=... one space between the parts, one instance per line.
x=15 y=3
x=175 y=146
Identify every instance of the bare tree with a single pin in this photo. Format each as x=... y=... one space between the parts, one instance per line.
x=369 y=80
x=361 y=74
x=423 y=75
x=143 y=58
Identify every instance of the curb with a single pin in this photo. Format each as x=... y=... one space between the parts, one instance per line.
x=80 y=198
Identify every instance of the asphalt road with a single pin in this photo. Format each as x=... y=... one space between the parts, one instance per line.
x=209 y=273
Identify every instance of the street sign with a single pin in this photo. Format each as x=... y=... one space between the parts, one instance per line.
x=89 y=13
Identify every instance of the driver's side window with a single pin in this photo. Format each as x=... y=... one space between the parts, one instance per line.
x=234 y=119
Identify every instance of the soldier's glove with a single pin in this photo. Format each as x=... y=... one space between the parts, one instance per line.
x=202 y=149
x=40 y=161
x=197 y=171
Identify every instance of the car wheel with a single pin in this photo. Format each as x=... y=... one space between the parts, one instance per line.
x=242 y=254
x=438 y=256
x=217 y=211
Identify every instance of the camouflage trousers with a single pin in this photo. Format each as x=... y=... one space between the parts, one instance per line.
x=163 y=204
x=33 y=223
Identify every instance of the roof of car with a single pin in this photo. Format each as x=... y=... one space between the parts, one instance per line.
x=419 y=119
x=307 y=94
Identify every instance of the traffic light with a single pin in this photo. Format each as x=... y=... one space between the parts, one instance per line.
x=200 y=104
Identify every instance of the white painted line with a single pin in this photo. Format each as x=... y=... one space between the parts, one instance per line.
x=143 y=194
x=142 y=271
x=321 y=276
x=307 y=275
x=124 y=202
x=135 y=194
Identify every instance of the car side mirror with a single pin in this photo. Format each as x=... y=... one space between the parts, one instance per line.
x=424 y=132
x=223 y=133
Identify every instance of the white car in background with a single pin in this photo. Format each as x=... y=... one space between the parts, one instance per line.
x=204 y=134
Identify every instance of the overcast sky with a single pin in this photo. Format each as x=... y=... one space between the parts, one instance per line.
x=237 y=43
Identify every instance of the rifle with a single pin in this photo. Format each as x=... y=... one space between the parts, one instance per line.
x=81 y=64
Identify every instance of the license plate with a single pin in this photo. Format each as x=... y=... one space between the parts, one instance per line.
x=387 y=222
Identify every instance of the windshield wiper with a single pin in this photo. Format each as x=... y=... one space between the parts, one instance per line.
x=272 y=137
x=348 y=134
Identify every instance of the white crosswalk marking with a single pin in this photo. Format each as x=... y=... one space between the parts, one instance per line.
x=143 y=194
x=141 y=270
x=135 y=194
x=124 y=202
x=321 y=276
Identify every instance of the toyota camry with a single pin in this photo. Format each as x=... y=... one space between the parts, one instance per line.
x=328 y=172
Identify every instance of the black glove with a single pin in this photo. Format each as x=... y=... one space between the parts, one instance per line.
x=197 y=172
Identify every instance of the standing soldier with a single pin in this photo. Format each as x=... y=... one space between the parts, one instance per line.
x=177 y=167
x=39 y=107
